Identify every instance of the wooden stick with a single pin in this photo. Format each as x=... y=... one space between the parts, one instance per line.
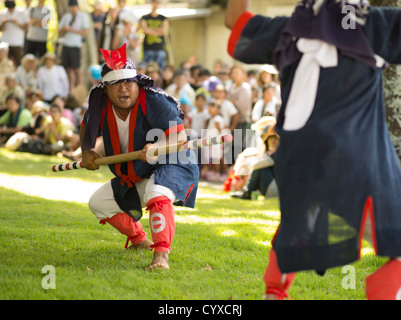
x=131 y=156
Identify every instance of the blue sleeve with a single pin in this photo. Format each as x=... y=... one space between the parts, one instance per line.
x=259 y=39
x=162 y=113
x=383 y=30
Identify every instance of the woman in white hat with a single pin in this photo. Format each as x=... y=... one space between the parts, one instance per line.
x=52 y=78
x=26 y=73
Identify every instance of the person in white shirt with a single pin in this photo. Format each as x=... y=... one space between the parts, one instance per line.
x=72 y=28
x=198 y=117
x=52 y=79
x=266 y=106
x=126 y=33
x=36 y=37
x=181 y=86
x=230 y=116
x=26 y=73
x=214 y=152
x=240 y=94
x=227 y=109
x=13 y=24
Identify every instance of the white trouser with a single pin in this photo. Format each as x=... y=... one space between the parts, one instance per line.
x=104 y=206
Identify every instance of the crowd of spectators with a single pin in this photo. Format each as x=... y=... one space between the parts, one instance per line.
x=43 y=96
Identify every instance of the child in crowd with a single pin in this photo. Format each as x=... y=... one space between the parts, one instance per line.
x=199 y=116
x=58 y=132
x=198 y=125
x=215 y=152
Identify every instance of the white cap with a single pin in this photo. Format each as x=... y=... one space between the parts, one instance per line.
x=4 y=45
x=269 y=69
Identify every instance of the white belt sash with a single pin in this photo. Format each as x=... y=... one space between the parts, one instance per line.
x=316 y=54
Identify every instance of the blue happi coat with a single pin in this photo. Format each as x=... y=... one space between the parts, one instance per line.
x=342 y=164
x=179 y=171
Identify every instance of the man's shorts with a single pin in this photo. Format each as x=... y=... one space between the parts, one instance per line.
x=71 y=57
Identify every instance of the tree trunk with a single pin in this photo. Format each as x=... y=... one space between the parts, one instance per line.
x=392 y=83
x=61 y=7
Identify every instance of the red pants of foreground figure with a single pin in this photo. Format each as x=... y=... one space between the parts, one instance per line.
x=384 y=284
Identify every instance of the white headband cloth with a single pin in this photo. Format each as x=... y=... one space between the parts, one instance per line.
x=117 y=75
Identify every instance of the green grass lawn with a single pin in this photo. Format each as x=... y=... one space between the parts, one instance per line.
x=219 y=252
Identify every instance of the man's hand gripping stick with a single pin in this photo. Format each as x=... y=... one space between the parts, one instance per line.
x=136 y=155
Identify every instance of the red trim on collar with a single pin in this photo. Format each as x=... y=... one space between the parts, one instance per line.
x=115 y=142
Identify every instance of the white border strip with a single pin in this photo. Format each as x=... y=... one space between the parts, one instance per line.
x=121 y=74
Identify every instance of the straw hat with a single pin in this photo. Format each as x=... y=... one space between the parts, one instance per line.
x=48 y=55
x=39 y=106
x=262 y=123
x=269 y=69
x=29 y=57
x=4 y=46
x=80 y=94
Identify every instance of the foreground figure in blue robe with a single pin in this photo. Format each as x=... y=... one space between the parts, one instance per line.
x=336 y=166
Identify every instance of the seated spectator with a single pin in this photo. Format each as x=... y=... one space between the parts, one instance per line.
x=39 y=115
x=6 y=64
x=268 y=75
x=30 y=139
x=153 y=71
x=11 y=87
x=181 y=86
x=230 y=118
x=259 y=167
x=263 y=175
x=198 y=117
x=186 y=106
x=58 y=132
x=16 y=118
x=52 y=78
x=215 y=152
x=208 y=83
x=32 y=98
x=194 y=76
x=26 y=73
x=65 y=112
x=223 y=73
x=167 y=76
x=227 y=109
x=251 y=77
x=268 y=105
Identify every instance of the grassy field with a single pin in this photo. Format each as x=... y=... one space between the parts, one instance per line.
x=219 y=251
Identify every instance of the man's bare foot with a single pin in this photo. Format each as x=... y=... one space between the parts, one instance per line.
x=160 y=261
x=269 y=297
x=145 y=245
